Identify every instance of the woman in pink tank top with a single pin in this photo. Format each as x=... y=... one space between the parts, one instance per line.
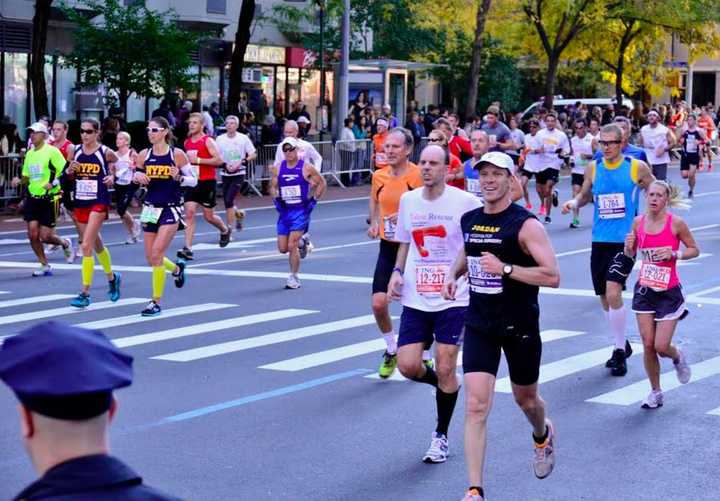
x=658 y=300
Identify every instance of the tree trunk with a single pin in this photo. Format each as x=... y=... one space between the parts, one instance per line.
x=625 y=42
x=550 y=78
x=37 y=59
x=471 y=103
x=123 y=99
x=242 y=38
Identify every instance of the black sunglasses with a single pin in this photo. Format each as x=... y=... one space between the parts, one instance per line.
x=434 y=140
x=288 y=148
x=608 y=143
x=87 y=131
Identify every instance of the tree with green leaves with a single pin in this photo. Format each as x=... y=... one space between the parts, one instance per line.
x=131 y=50
x=237 y=62
x=483 y=8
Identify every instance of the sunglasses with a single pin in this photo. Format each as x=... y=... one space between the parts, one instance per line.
x=434 y=140
x=608 y=143
x=87 y=131
x=288 y=148
x=154 y=130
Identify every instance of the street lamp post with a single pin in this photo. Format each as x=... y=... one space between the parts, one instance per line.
x=321 y=5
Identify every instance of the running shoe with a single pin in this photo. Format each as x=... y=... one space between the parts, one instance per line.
x=137 y=229
x=69 y=251
x=302 y=247
x=114 y=287
x=292 y=282
x=619 y=367
x=180 y=276
x=239 y=219
x=473 y=495
x=528 y=206
x=185 y=254
x=81 y=301
x=429 y=363
x=548 y=220
x=225 y=238
x=575 y=224
x=45 y=270
x=388 y=365
x=654 y=400
x=682 y=369
x=51 y=249
x=131 y=239
x=555 y=198
x=544 y=460
x=690 y=194
x=151 y=310
x=628 y=351
x=541 y=212
x=438 y=451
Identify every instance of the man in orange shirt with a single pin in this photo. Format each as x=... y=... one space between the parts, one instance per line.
x=388 y=185
x=706 y=122
x=379 y=156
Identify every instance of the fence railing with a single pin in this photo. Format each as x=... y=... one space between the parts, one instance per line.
x=10 y=167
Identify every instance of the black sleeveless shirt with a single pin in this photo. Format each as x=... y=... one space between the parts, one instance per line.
x=498 y=302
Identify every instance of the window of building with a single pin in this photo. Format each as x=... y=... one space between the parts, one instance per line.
x=217 y=6
x=15 y=92
x=65 y=92
x=210 y=90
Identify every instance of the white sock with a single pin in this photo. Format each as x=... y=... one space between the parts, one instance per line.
x=617 y=326
x=427 y=355
x=390 y=342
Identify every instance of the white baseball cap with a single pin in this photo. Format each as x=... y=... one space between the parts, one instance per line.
x=38 y=127
x=497 y=159
x=291 y=141
x=303 y=120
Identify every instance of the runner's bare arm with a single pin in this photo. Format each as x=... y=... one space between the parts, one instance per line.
x=585 y=195
x=216 y=160
x=318 y=182
x=644 y=175
x=373 y=214
x=516 y=190
x=183 y=164
x=396 y=279
x=534 y=240
x=631 y=239
x=274 y=182
x=680 y=228
x=459 y=267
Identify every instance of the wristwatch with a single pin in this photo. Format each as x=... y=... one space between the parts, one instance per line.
x=507 y=269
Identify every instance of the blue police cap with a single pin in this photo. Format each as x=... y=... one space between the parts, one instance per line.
x=63 y=371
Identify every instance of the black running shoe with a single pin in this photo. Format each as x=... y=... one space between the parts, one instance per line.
x=225 y=237
x=555 y=198
x=620 y=368
x=180 y=277
x=185 y=254
x=151 y=310
x=548 y=220
x=612 y=360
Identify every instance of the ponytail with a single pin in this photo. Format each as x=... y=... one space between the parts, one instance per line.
x=162 y=122
x=676 y=199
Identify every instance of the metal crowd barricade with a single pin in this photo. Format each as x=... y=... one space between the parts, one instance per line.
x=10 y=167
x=351 y=160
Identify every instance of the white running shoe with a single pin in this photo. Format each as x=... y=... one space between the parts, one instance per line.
x=239 y=218
x=51 y=248
x=45 y=270
x=654 y=400
x=473 y=495
x=438 y=451
x=292 y=282
x=682 y=369
x=69 y=251
x=544 y=460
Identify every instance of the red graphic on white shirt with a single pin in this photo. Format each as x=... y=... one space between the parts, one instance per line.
x=419 y=235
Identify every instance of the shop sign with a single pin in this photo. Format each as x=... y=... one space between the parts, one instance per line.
x=297 y=57
x=266 y=54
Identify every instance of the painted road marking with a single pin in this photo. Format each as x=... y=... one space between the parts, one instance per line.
x=135 y=319
x=239 y=244
x=634 y=393
x=327 y=356
x=566 y=367
x=715 y=412
x=34 y=299
x=204 y=328
x=68 y=310
x=265 y=340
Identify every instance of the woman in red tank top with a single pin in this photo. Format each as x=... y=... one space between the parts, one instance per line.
x=658 y=300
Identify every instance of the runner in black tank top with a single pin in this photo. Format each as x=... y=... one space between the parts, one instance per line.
x=507 y=257
x=691 y=142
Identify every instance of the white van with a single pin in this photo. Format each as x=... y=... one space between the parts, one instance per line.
x=560 y=104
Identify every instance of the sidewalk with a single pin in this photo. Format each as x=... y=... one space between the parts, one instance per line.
x=14 y=222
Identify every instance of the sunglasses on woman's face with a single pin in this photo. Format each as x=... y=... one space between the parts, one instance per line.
x=155 y=130
x=288 y=148
x=87 y=131
x=434 y=140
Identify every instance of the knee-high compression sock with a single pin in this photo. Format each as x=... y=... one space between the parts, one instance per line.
x=158 y=281
x=86 y=269
x=617 y=326
x=168 y=265
x=105 y=261
x=430 y=377
x=445 y=407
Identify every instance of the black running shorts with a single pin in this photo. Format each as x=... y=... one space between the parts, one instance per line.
x=204 y=193
x=577 y=179
x=548 y=174
x=384 y=265
x=43 y=210
x=523 y=350
x=609 y=263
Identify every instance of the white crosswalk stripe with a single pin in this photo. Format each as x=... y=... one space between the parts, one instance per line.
x=169 y=313
x=715 y=412
x=634 y=393
x=204 y=328
x=241 y=244
x=68 y=310
x=267 y=339
x=327 y=356
x=32 y=300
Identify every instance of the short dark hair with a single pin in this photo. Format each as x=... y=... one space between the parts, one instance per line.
x=407 y=135
x=348 y=121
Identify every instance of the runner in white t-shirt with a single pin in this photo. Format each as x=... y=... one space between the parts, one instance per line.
x=428 y=229
x=582 y=144
x=657 y=140
x=236 y=150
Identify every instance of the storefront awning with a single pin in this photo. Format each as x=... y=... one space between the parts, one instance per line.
x=384 y=64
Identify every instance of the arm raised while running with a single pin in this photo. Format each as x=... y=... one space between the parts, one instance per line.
x=185 y=170
x=584 y=197
x=395 y=285
x=316 y=180
x=680 y=228
x=534 y=240
x=458 y=268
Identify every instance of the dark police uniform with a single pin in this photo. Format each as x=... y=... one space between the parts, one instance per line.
x=69 y=373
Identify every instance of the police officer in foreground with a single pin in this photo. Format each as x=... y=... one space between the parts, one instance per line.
x=64 y=377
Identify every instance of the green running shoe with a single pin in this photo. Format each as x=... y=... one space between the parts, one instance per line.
x=388 y=365
x=430 y=363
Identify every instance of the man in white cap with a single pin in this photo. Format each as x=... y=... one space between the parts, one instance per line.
x=657 y=140
x=306 y=150
x=296 y=185
x=41 y=174
x=507 y=257
x=387 y=114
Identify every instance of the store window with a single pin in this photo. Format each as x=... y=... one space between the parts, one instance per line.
x=15 y=92
x=311 y=96
x=293 y=86
x=268 y=87
x=280 y=99
x=135 y=109
x=210 y=86
x=48 y=90
x=65 y=92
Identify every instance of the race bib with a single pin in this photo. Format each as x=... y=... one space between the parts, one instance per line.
x=654 y=276
x=473 y=186
x=35 y=172
x=86 y=189
x=195 y=168
x=123 y=173
x=480 y=280
x=389 y=227
x=650 y=254
x=290 y=194
x=150 y=214
x=611 y=206
x=430 y=279
x=691 y=145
